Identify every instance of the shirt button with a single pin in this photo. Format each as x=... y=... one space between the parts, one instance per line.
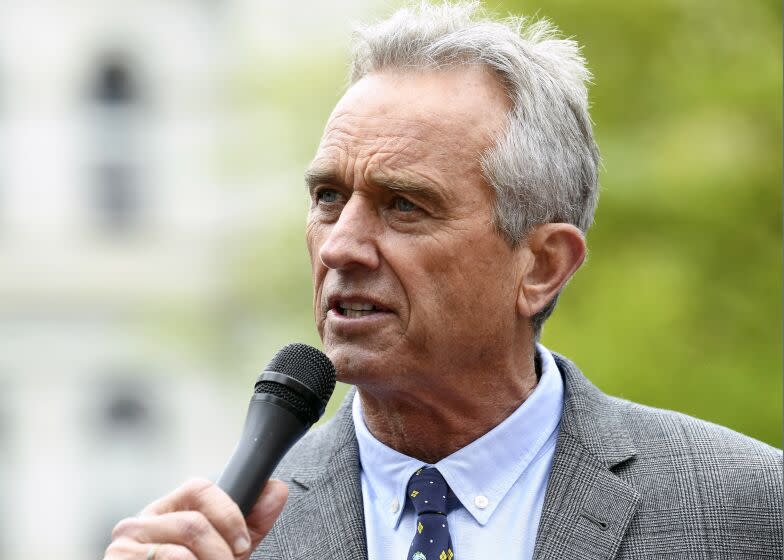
x=394 y=506
x=481 y=502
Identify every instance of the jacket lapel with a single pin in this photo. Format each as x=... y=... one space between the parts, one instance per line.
x=328 y=502
x=587 y=508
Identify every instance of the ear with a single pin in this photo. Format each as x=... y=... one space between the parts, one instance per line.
x=551 y=254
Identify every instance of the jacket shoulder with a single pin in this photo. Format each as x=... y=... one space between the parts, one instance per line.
x=701 y=490
x=657 y=432
x=703 y=487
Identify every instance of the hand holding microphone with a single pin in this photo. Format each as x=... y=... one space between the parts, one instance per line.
x=202 y=520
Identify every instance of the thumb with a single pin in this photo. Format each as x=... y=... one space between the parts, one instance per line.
x=266 y=511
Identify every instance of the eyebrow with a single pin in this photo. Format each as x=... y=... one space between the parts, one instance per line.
x=316 y=176
x=325 y=176
x=402 y=184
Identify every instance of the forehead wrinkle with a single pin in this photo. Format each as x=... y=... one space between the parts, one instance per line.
x=383 y=150
x=408 y=126
x=390 y=143
x=357 y=136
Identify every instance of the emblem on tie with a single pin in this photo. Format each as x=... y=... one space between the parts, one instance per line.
x=418 y=556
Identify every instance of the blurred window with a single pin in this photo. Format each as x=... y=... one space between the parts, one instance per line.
x=2 y=149
x=116 y=197
x=116 y=189
x=125 y=409
x=114 y=82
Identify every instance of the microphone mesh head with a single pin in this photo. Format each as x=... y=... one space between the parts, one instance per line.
x=309 y=366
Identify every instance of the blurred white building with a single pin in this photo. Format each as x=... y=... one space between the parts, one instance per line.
x=110 y=210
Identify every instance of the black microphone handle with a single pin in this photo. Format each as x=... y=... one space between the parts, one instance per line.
x=269 y=432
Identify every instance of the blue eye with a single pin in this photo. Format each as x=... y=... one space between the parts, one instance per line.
x=327 y=195
x=403 y=205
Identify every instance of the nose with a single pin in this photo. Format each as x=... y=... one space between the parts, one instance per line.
x=351 y=241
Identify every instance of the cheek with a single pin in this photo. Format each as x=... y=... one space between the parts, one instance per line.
x=436 y=285
x=311 y=236
x=465 y=285
x=314 y=238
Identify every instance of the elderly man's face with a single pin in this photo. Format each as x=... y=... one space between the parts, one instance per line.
x=411 y=281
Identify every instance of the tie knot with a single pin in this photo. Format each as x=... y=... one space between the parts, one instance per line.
x=428 y=491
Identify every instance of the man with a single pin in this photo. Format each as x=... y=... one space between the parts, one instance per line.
x=450 y=196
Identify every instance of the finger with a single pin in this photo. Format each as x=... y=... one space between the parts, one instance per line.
x=127 y=549
x=189 y=529
x=171 y=552
x=219 y=509
x=266 y=510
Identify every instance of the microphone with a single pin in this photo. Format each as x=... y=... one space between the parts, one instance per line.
x=288 y=398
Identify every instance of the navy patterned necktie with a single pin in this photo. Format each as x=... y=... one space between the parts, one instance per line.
x=428 y=490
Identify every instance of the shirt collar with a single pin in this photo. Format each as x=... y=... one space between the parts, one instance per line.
x=481 y=473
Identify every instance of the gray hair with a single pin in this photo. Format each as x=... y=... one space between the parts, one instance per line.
x=544 y=165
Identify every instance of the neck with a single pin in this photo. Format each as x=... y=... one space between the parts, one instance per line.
x=440 y=418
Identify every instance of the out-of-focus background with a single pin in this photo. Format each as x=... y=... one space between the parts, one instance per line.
x=151 y=245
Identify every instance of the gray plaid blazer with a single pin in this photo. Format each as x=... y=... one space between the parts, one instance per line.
x=627 y=482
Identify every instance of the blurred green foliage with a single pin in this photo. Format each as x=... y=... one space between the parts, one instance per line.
x=679 y=305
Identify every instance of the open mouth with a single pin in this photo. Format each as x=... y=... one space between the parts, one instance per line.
x=356 y=310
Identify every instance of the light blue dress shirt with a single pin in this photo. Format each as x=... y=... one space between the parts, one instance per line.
x=499 y=479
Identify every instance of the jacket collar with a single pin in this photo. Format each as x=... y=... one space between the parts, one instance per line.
x=593 y=418
x=587 y=508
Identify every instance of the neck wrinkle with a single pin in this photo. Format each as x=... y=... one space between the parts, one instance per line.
x=430 y=425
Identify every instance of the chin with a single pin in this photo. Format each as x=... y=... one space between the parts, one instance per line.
x=357 y=366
